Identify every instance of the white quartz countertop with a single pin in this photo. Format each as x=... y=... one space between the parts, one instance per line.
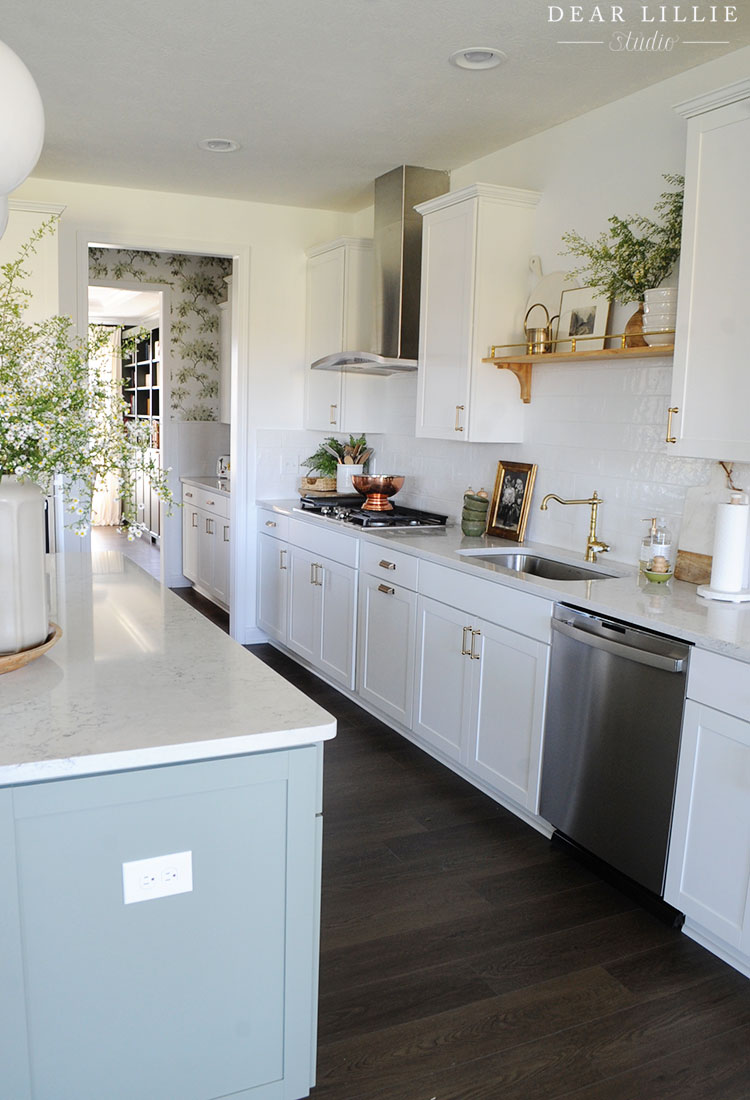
x=673 y=608
x=216 y=484
x=139 y=679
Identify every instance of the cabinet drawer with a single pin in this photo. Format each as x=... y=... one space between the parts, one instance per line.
x=393 y=566
x=273 y=523
x=719 y=682
x=208 y=500
x=520 y=611
x=321 y=541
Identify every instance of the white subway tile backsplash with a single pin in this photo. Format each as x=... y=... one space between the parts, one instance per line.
x=590 y=426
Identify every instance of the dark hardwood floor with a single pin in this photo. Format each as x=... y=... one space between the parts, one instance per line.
x=464 y=958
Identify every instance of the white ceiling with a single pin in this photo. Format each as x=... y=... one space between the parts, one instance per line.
x=113 y=305
x=324 y=95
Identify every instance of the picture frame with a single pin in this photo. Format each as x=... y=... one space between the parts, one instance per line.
x=511 y=500
x=584 y=316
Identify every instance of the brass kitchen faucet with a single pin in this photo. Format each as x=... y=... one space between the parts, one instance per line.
x=594 y=544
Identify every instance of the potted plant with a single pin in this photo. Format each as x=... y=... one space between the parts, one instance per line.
x=60 y=422
x=635 y=257
x=336 y=462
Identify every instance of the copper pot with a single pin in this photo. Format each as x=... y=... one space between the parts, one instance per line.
x=377 y=490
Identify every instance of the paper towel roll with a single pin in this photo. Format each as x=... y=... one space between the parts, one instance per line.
x=728 y=568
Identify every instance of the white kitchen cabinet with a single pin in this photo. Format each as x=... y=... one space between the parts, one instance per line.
x=476 y=244
x=307 y=592
x=189 y=534
x=273 y=572
x=387 y=630
x=339 y=318
x=205 y=542
x=323 y=613
x=711 y=383
x=480 y=684
x=708 y=871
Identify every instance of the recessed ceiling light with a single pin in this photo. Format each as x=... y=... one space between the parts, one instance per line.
x=477 y=57
x=219 y=145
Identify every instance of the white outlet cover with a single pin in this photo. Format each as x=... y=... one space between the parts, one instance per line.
x=157 y=877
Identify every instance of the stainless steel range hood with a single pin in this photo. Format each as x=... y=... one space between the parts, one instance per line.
x=398 y=273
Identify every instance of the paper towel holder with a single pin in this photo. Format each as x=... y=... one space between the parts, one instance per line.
x=742 y=595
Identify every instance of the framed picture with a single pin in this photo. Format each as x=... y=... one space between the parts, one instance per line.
x=583 y=317
x=511 y=500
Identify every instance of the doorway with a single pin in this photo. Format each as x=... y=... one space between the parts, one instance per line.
x=136 y=316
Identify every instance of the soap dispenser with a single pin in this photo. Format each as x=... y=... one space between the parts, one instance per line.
x=656 y=548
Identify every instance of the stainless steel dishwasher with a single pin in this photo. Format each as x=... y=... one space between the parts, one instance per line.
x=611 y=740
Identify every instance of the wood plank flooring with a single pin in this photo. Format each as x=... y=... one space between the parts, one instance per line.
x=464 y=958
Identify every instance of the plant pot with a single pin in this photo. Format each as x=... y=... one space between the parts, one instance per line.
x=659 y=315
x=24 y=614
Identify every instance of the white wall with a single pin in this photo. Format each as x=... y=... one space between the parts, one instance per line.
x=594 y=426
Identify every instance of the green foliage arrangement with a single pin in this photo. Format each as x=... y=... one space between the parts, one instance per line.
x=58 y=414
x=333 y=451
x=637 y=254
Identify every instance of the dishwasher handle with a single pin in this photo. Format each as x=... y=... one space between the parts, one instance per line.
x=629 y=653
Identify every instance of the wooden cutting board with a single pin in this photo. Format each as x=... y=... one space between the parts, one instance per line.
x=696 y=544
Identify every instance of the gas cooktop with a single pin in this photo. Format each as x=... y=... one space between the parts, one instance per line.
x=349 y=510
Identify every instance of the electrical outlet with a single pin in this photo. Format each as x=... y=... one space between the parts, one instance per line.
x=157 y=877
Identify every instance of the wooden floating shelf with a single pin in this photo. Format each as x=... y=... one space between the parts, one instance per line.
x=521 y=365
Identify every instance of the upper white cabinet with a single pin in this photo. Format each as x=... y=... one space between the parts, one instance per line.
x=339 y=318
x=476 y=244
x=711 y=383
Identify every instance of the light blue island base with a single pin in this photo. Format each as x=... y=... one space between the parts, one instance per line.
x=206 y=993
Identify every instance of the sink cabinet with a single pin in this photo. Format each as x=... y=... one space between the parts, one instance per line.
x=711 y=384
x=475 y=253
x=708 y=872
x=480 y=684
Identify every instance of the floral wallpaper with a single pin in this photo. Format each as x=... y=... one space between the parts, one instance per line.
x=196 y=288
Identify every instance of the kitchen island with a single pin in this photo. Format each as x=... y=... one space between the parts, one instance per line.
x=160 y=793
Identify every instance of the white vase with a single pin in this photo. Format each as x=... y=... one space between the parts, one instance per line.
x=24 y=614
x=659 y=315
x=344 y=474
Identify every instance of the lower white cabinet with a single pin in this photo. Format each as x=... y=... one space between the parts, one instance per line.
x=480 y=697
x=387 y=631
x=708 y=873
x=323 y=613
x=205 y=542
x=307 y=592
x=273 y=586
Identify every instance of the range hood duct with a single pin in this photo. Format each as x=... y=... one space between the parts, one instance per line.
x=397 y=257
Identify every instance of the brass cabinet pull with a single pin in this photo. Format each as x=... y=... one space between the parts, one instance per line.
x=211 y=503
x=464 y=651
x=282 y=559
x=270 y=523
x=194 y=519
x=312 y=572
x=459 y=410
x=209 y=526
x=386 y=590
x=226 y=532
x=474 y=634
x=670 y=413
x=189 y=496
x=387 y=564
x=333 y=414
x=314 y=567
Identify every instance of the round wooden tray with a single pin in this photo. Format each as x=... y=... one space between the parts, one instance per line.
x=11 y=661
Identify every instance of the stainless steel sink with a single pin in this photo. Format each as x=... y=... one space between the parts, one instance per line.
x=537 y=566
